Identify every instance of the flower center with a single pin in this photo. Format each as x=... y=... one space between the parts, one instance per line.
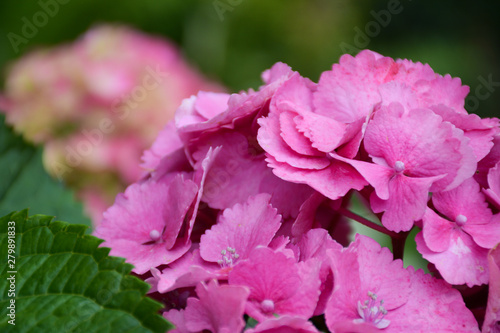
x=399 y=166
x=267 y=306
x=155 y=235
x=461 y=220
x=372 y=313
x=229 y=257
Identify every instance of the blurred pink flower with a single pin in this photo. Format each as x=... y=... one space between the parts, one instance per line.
x=98 y=103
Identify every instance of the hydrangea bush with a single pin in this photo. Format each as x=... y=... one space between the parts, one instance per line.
x=240 y=222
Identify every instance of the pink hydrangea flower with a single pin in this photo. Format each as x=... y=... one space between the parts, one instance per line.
x=414 y=153
x=278 y=285
x=373 y=290
x=239 y=230
x=492 y=319
x=144 y=223
x=314 y=244
x=493 y=192
x=357 y=85
x=218 y=308
x=297 y=141
x=457 y=240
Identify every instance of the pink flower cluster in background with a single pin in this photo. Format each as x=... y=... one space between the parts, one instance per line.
x=96 y=104
x=243 y=211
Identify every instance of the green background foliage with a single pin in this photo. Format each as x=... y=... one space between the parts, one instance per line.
x=25 y=184
x=233 y=41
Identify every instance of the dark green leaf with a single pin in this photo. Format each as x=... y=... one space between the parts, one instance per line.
x=65 y=283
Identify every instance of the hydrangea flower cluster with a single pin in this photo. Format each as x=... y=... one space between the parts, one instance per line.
x=242 y=213
x=97 y=104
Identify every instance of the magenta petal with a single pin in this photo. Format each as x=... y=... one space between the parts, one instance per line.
x=333 y=182
x=466 y=200
x=436 y=231
x=493 y=193
x=434 y=306
x=269 y=137
x=464 y=262
x=210 y=104
x=492 y=318
x=187 y=271
x=314 y=244
x=217 y=308
x=166 y=143
x=304 y=301
x=162 y=209
x=377 y=175
x=284 y=324
x=362 y=268
x=494 y=179
x=293 y=138
x=306 y=216
x=348 y=92
x=176 y=317
x=325 y=134
x=485 y=235
x=270 y=276
x=407 y=202
x=243 y=228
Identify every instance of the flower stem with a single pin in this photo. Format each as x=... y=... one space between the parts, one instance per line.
x=398 y=245
x=368 y=223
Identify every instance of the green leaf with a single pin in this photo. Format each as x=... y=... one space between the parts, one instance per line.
x=24 y=182
x=65 y=283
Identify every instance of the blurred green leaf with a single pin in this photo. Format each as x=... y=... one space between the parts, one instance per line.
x=64 y=282
x=24 y=182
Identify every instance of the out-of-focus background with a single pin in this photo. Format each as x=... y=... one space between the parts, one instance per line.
x=232 y=41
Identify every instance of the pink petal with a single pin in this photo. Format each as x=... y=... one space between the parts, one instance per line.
x=176 y=317
x=361 y=268
x=333 y=182
x=218 y=308
x=436 y=231
x=463 y=262
x=406 y=204
x=434 y=306
x=348 y=92
x=325 y=134
x=270 y=276
x=492 y=317
x=242 y=227
x=293 y=138
x=162 y=208
x=270 y=140
x=284 y=324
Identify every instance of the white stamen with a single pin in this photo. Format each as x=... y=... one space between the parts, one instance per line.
x=267 y=306
x=399 y=166
x=229 y=256
x=461 y=220
x=154 y=234
x=371 y=313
